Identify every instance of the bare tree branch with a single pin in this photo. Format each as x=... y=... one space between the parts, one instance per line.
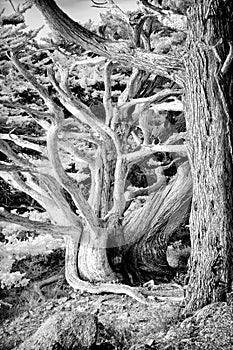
x=56 y=111
x=6 y=167
x=68 y=183
x=69 y=28
x=54 y=189
x=107 y=98
x=77 y=108
x=119 y=186
x=85 y=115
x=88 y=62
x=6 y=149
x=43 y=228
x=173 y=105
x=157 y=98
x=134 y=83
x=38 y=116
x=40 y=196
x=164 y=65
x=146 y=151
x=22 y=143
x=16 y=17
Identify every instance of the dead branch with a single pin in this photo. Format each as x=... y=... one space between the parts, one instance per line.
x=71 y=28
x=39 y=116
x=67 y=182
x=6 y=149
x=77 y=153
x=119 y=185
x=6 y=167
x=88 y=62
x=78 y=109
x=55 y=111
x=173 y=105
x=107 y=98
x=40 y=196
x=148 y=150
x=165 y=65
x=22 y=143
x=53 y=187
x=43 y=228
x=157 y=98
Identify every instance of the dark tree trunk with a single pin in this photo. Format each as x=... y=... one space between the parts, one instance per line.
x=209 y=102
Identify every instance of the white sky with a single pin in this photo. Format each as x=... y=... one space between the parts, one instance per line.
x=79 y=10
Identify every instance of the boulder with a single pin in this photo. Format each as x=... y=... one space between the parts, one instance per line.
x=68 y=330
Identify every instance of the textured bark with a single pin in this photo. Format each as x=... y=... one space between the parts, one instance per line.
x=209 y=105
x=153 y=225
x=124 y=52
x=72 y=276
x=93 y=262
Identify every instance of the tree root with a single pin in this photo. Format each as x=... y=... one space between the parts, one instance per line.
x=116 y=289
x=39 y=285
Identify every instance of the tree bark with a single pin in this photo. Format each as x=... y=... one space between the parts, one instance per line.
x=209 y=102
x=93 y=264
x=151 y=227
x=123 y=52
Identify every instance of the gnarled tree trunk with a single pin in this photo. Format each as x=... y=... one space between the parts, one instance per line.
x=149 y=229
x=93 y=264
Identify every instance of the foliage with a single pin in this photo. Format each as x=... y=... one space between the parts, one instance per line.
x=19 y=245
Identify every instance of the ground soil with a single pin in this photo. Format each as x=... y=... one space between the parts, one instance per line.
x=123 y=322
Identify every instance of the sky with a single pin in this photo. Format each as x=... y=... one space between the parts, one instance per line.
x=79 y=10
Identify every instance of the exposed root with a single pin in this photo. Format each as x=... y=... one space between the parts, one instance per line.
x=39 y=285
x=110 y=288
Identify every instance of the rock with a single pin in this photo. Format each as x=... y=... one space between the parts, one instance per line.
x=210 y=328
x=68 y=330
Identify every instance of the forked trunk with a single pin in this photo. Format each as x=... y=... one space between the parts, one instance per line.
x=209 y=122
